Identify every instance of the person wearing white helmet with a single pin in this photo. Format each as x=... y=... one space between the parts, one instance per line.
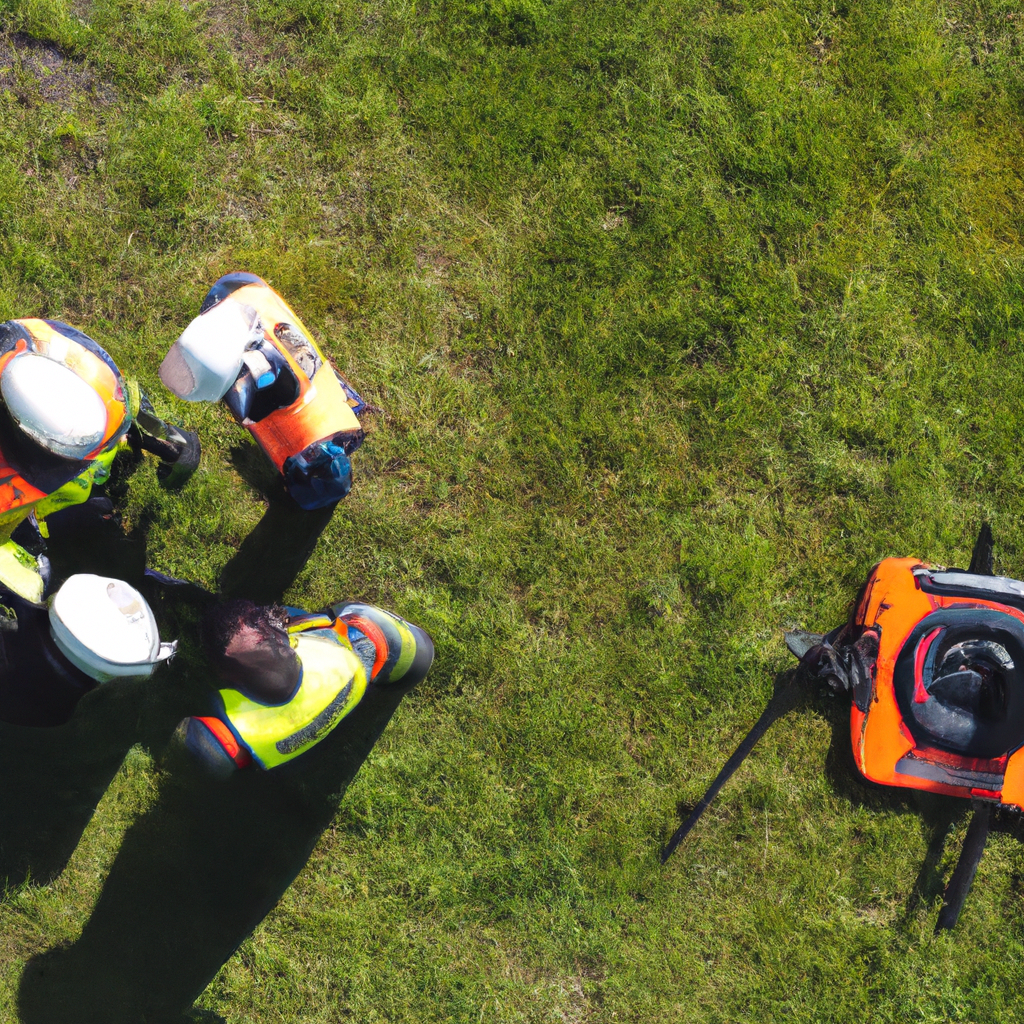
x=65 y=412
x=248 y=348
x=95 y=630
x=303 y=698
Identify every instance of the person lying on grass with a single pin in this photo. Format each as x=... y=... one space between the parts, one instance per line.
x=290 y=677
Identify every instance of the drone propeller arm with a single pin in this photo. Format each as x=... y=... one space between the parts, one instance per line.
x=963 y=874
x=981 y=556
x=783 y=700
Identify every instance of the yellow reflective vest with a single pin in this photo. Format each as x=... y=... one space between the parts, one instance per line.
x=333 y=682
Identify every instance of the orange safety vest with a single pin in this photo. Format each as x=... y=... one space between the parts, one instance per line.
x=909 y=602
x=89 y=361
x=322 y=409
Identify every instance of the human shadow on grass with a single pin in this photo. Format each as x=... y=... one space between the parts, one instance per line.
x=283 y=541
x=194 y=876
x=54 y=776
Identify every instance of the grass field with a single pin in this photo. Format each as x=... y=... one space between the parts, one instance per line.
x=680 y=315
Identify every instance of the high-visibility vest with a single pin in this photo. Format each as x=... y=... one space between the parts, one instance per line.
x=72 y=348
x=323 y=409
x=332 y=683
x=910 y=603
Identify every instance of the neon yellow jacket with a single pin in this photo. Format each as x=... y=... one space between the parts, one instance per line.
x=332 y=683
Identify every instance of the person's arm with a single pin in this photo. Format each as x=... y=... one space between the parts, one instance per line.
x=213 y=745
x=177 y=449
x=404 y=652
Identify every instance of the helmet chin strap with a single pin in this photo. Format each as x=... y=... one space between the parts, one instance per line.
x=168 y=649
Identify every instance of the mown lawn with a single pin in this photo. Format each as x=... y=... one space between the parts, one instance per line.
x=680 y=315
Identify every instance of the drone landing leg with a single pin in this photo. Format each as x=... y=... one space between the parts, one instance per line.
x=963 y=874
x=784 y=700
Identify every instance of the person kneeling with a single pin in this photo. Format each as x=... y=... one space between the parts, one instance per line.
x=292 y=676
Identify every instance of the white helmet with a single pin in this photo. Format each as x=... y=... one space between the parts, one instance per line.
x=53 y=405
x=106 y=628
x=204 y=362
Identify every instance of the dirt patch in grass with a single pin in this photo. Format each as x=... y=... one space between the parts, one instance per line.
x=229 y=23
x=38 y=71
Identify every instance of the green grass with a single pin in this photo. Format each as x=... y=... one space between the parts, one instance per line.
x=681 y=315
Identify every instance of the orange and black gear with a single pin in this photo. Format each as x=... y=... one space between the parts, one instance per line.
x=903 y=732
x=306 y=418
x=933 y=662
x=29 y=473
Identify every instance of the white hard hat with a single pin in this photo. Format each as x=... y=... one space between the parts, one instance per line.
x=106 y=628
x=53 y=405
x=204 y=362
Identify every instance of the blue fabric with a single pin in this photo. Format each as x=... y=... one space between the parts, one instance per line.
x=365 y=649
x=225 y=286
x=207 y=749
x=319 y=476
x=355 y=400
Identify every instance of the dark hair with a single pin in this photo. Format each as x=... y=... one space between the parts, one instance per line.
x=222 y=621
x=267 y=669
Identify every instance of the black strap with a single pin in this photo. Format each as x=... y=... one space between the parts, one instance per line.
x=981 y=556
x=784 y=700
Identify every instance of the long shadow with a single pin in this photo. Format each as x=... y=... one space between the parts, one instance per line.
x=194 y=876
x=940 y=814
x=55 y=776
x=205 y=864
x=283 y=541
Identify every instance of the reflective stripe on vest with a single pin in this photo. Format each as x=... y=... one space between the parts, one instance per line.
x=333 y=682
x=408 y=650
x=19 y=572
